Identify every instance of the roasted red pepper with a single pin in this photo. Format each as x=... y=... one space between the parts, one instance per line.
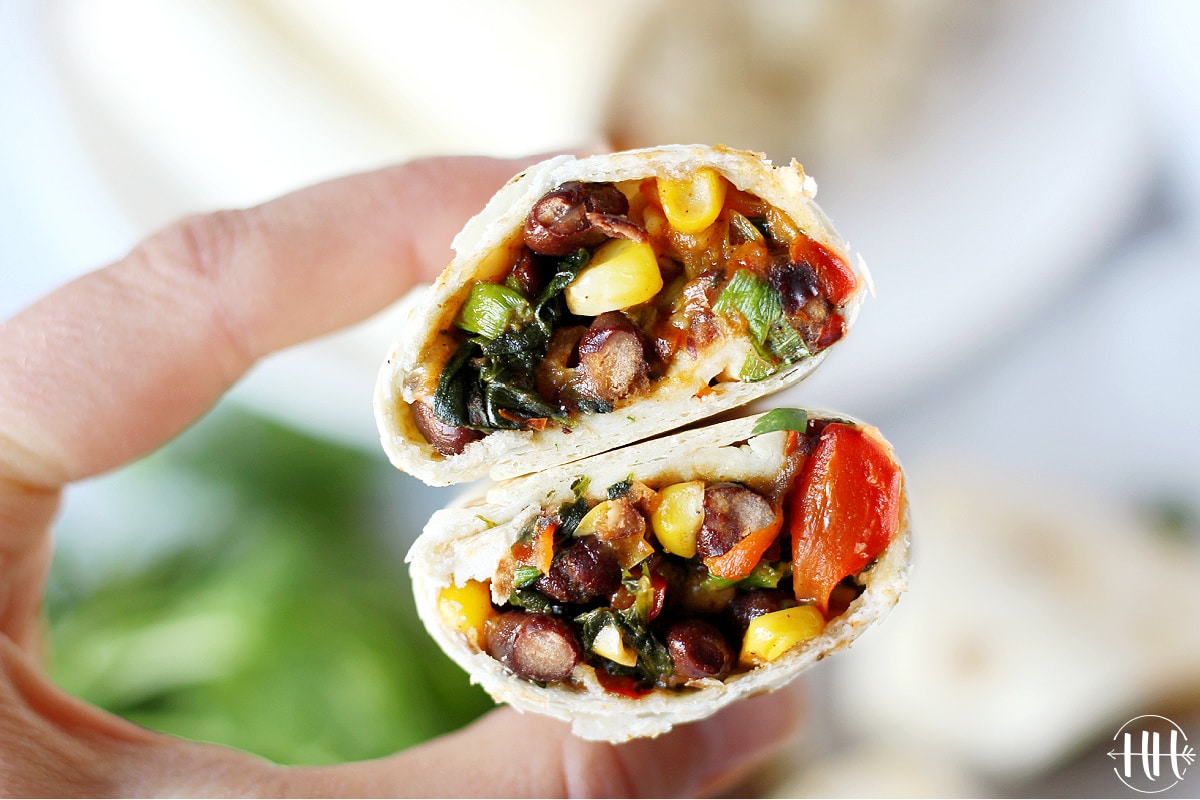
x=845 y=511
x=539 y=550
x=835 y=278
x=741 y=559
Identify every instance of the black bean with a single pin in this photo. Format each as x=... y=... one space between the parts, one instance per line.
x=527 y=275
x=605 y=198
x=612 y=358
x=576 y=215
x=602 y=328
x=556 y=371
x=698 y=650
x=537 y=647
x=745 y=606
x=796 y=284
x=587 y=569
x=731 y=513
x=447 y=439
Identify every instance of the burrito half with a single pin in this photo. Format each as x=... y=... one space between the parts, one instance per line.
x=599 y=301
x=650 y=586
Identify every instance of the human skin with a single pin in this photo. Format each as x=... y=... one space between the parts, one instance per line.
x=116 y=363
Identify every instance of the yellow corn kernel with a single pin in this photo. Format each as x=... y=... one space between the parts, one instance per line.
x=678 y=518
x=611 y=645
x=587 y=525
x=466 y=608
x=621 y=274
x=693 y=203
x=654 y=221
x=769 y=636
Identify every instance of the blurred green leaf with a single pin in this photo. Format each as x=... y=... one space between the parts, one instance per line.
x=283 y=624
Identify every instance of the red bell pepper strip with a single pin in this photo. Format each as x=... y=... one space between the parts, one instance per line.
x=739 y=561
x=845 y=512
x=835 y=278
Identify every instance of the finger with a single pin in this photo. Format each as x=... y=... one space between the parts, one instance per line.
x=507 y=754
x=54 y=745
x=114 y=364
x=117 y=362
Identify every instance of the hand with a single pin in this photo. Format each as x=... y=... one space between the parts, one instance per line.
x=116 y=363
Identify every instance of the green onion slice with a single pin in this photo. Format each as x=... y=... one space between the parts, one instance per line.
x=524 y=576
x=755 y=368
x=744 y=228
x=754 y=299
x=490 y=309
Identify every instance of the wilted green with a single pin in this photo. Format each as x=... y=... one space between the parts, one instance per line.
x=278 y=618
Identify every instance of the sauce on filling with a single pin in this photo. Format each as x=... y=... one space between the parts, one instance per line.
x=614 y=289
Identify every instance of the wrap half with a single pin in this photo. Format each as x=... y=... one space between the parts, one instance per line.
x=650 y=586
x=599 y=301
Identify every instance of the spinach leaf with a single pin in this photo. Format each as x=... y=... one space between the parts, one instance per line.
x=620 y=488
x=531 y=600
x=570 y=515
x=654 y=660
x=782 y=419
x=450 y=398
x=490 y=382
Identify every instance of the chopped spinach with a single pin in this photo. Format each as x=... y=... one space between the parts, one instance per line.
x=450 y=399
x=654 y=660
x=591 y=406
x=570 y=515
x=580 y=485
x=531 y=600
x=489 y=383
x=620 y=489
x=642 y=589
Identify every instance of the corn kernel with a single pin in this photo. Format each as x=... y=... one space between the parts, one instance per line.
x=771 y=635
x=654 y=221
x=692 y=204
x=611 y=645
x=678 y=518
x=466 y=608
x=621 y=274
x=587 y=525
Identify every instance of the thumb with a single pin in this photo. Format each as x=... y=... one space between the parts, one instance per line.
x=508 y=754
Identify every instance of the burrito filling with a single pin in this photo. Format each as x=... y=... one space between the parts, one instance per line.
x=672 y=585
x=615 y=290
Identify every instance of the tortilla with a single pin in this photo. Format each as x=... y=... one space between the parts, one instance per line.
x=471 y=544
x=695 y=382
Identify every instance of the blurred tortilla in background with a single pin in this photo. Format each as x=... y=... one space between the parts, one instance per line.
x=1020 y=177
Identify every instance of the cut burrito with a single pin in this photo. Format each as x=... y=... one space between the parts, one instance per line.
x=650 y=586
x=599 y=301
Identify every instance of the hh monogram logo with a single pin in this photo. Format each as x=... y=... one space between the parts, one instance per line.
x=1153 y=754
